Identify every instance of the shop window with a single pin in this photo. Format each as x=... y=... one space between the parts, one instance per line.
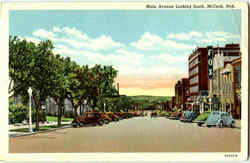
x=238 y=69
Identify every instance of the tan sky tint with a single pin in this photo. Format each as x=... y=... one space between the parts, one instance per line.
x=148 y=85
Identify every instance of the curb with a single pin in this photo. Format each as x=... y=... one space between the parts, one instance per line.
x=38 y=132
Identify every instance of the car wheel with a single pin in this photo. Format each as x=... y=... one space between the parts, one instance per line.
x=101 y=122
x=81 y=124
x=199 y=124
x=208 y=126
x=221 y=125
x=74 y=125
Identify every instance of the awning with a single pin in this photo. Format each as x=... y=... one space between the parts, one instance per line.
x=225 y=71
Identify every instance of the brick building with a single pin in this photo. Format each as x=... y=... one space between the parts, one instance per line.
x=173 y=101
x=177 y=94
x=198 y=74
x=236 y=112
x=181 y=93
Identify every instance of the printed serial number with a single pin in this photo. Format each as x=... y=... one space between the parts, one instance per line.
x=231 y=155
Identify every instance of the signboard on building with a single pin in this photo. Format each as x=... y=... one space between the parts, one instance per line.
x=210 y=62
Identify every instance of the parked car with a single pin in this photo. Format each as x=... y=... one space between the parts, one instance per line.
x=153 y=114
x=189 y=116
x=175 y=115
x=163 y=114
x=201 y=119
x=113 y=116
x=125 y=115
x=138 y=113
x=220 y=119
x=105 y=117
x=89 y=118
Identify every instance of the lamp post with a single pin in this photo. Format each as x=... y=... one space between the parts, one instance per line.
x=85 y=105
x=30 y=121
x=210 y=103
x=104 y=107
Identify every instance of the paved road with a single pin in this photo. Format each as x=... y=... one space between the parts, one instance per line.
x=140 y=134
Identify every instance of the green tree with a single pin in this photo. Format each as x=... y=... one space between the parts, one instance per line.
x=30 y=66
x=60 y=83
x=103 y=84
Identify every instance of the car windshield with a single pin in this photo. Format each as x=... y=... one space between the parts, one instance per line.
x=91 y=115
x=216 y=113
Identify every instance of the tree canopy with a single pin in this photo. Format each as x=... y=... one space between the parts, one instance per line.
x=51 y=75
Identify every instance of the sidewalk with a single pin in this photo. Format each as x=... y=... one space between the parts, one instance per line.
x=20 y=126
x=238 y=123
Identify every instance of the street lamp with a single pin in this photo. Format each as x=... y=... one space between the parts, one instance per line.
x=210 y=103
x=30 y=121
x=85 y=105
x=104 y=107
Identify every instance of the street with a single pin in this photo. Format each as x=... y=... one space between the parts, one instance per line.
x=139 y=134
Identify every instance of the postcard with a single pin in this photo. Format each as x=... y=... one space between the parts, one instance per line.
x=123 y=81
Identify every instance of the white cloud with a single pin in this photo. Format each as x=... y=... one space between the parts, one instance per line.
x=103 y=42
x=174 y=44
x=77 y=39
x=127 y=59
x=74 y=32
x=150 y=41
x=218 y=37
x=42 y=33
x=204 y=37
x=118 y=57
x=184 y=36
x=167 y=58
x=30 y=39
x=56 y=29
x=62 y=49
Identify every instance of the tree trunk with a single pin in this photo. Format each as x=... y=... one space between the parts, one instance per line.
x=94 y=103
x=59 y=112
x=75 y=111
x=37 y=103
x=75 y=106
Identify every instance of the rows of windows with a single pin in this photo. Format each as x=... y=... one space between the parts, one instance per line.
x=231 y=54
x=194 y=80
x=194 y=62
x=238 y=69
x=227 y=87
x=194 y=89
x=232 y=51
x=194 y=71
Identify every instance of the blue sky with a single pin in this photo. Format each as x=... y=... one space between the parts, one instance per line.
x=148 y=47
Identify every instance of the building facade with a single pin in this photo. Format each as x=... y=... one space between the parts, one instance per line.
x=173 y=101
x=198 y=75
x=177 y=94
x=182 y=93
x=236 y=112
x=223 y=82
x=226 y=89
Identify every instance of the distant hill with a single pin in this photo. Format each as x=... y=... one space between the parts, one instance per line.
x=150 y=98
x=146 y=101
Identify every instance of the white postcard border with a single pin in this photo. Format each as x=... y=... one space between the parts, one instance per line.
x=6 y=7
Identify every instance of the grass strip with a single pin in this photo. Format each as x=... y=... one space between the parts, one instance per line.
x=42 y=128
x=54 y=119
